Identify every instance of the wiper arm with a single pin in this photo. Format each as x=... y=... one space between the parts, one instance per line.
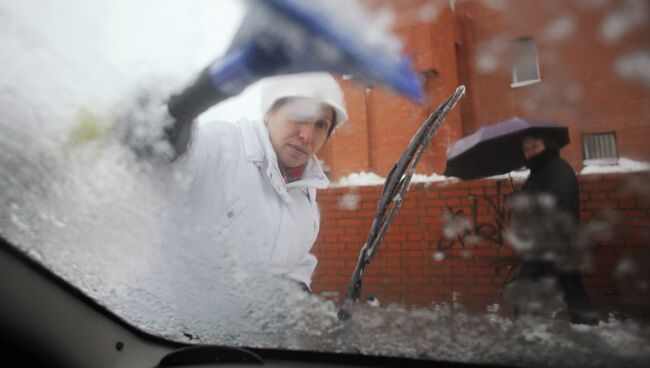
x=395 y=186
x=209 y=354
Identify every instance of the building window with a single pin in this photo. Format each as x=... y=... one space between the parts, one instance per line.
x=600 y=148
x=525 y=66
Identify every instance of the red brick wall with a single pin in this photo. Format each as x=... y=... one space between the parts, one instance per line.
x=382 y=123
x=405 y=269
x=579 y=86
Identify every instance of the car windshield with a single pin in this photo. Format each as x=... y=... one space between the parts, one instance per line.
x=489 y=259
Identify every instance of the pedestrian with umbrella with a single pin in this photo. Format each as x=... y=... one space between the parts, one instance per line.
x=552 y=178
x=545 y=215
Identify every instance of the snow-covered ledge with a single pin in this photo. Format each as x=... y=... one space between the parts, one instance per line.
x=516 y=175
x=361 y=179
x=623 y=165
x=371 y=179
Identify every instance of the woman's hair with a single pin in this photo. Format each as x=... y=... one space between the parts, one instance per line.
x=281 y=101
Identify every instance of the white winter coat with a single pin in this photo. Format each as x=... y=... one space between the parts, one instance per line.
x=241 y=202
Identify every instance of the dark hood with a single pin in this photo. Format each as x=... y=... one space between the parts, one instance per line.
x=540 y=159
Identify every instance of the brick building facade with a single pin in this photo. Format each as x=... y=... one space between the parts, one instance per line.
x=578 y=80
x=417 y=265
x=582 y=80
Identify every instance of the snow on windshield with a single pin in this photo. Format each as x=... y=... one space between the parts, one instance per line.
x=76 y=199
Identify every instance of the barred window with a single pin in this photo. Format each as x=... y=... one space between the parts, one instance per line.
x=600 y=147
x=525 y=67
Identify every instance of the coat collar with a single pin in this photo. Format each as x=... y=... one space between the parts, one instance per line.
x=258 y=149
x=539 y=160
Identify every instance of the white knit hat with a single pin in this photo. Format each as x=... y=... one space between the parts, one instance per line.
x=317 y=86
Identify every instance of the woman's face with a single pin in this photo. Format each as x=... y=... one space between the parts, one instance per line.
x=298 y=128
x=532 y=146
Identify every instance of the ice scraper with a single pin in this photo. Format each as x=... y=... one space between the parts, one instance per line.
x=292 y=36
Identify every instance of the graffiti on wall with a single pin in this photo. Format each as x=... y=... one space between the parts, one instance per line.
x=462 y=229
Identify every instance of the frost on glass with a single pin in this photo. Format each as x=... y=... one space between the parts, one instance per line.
x=76 y=197
x=540 y=231
x=635 y=67
x=349 y=201
x=628 y=15
x=560 y=29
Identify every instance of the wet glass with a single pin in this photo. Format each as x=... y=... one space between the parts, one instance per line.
x=78 y=77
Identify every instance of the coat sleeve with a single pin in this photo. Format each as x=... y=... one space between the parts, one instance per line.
x=304 y=269
x=562 y=183
x=186 y=106
x=210 y=144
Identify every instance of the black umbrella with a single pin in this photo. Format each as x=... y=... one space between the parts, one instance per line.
x=496 y=149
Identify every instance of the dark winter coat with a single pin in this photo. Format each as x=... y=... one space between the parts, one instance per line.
x=549 y=173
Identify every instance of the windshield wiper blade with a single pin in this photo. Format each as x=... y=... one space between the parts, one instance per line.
x=209 y=354
x=395 y=186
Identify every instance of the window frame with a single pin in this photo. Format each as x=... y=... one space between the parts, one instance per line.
x=516 y=47
x=609 y=160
